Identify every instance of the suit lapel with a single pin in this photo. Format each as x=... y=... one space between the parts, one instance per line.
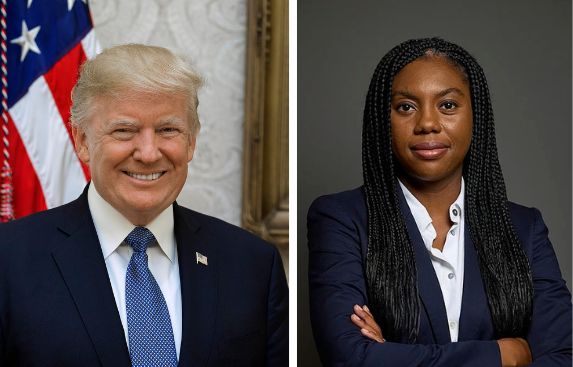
x=83 y=269
x=475 y=313
x=428 y=285
x=198 y=289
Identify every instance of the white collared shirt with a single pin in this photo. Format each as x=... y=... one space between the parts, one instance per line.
x=448 y=263
x=112 y=228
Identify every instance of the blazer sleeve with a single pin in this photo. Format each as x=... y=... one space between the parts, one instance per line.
x=550 y=333
x=277 y=315
x=2 y=346
x=337 y=283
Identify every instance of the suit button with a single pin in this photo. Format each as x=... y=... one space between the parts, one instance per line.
x=451 y=276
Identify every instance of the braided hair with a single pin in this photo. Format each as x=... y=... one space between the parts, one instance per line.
x=390 y=266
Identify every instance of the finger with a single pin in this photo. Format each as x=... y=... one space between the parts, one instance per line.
x=365 y=308
x=358 y=321
x=369 y=319
x=363 y=326
x=361 y=313
x=369 y=334
x=372 y=326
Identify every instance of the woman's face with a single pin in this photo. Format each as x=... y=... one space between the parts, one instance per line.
x=431 y=120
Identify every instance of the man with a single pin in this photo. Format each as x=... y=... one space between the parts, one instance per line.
x=123 y=275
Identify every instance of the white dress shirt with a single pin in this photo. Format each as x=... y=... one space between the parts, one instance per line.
x=112 y=228
x=448 y=263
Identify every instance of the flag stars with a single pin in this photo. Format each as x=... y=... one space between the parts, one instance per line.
x=71 y=3
x=27 y=40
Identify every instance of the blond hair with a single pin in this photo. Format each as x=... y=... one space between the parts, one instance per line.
x=137 y=68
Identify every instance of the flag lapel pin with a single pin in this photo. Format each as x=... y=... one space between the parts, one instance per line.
x=201 y=259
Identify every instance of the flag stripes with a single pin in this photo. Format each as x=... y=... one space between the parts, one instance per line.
x=44 y=45
x=49 y=147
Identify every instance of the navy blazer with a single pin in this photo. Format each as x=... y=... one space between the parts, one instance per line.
x=338 y=242
x=57 y=306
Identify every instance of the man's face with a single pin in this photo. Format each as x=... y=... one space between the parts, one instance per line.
x=137 y=148
x=431 y=120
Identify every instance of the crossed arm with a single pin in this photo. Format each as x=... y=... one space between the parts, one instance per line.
x=337 y=233
x=513 y=351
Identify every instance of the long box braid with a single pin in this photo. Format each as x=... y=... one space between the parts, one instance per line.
x=390 y=267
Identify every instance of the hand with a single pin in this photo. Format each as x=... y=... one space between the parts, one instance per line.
x=514 y=352
x=365 y=321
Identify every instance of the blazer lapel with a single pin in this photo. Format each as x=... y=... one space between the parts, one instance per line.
x=198 y=289
x=83 y=269
x=428 y=285
x=475 y=319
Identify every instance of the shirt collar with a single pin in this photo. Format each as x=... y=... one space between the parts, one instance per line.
x=420 y=214
x=112 y=227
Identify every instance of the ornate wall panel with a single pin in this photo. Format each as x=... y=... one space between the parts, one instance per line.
x=212 y=34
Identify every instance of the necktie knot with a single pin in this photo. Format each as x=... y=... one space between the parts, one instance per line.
x=139 y=239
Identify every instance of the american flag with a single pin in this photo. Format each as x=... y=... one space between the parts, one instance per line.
x=43 y=44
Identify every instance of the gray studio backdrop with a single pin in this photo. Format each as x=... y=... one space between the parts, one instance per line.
x=525 y=50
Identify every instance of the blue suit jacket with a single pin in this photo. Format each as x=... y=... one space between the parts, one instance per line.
x=57 y=307
x=338 y=238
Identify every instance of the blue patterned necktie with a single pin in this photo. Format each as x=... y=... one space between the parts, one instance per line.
x=151 y=341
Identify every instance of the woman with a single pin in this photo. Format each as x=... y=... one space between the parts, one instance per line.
x=453 y=273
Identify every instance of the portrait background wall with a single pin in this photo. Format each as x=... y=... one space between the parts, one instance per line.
x=240 y=169
x=212 y=35
x=524 y=48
